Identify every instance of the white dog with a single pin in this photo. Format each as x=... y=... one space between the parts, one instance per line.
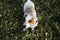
x=31 y=20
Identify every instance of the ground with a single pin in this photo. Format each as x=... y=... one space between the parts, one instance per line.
x=11 y=20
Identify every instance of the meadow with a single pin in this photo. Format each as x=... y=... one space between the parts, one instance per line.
x=11 y=20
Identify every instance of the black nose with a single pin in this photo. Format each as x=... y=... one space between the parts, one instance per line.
x=24 y=26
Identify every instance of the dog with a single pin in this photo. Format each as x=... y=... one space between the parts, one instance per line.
x=31 y=20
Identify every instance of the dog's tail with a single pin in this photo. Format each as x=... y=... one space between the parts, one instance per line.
x=28 y=0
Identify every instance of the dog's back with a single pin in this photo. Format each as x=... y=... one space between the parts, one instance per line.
x=29 y=8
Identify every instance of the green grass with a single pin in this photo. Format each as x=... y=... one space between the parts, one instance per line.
x=11 y=20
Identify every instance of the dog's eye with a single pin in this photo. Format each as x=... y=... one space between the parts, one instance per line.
x=36 y=21
x=30 y=21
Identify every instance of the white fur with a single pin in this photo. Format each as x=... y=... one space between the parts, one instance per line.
x=29 y=10
x=28 y=4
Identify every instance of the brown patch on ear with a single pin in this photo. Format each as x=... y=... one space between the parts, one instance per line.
x=31 y=21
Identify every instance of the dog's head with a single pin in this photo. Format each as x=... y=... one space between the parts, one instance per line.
x=30 y=22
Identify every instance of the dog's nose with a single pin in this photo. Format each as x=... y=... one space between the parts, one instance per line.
x=24 y=26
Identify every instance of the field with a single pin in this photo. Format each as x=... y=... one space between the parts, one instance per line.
x=11 y=20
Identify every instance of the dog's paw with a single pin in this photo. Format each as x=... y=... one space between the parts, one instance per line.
x=32 y=28
x=24 y=29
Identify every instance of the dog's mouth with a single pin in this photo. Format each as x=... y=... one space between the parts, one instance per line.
x=31 y=22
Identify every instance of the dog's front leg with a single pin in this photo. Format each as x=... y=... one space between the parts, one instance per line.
x=25 y=28
x=32 y=28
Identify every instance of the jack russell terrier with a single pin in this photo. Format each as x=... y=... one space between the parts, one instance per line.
x=31 y=20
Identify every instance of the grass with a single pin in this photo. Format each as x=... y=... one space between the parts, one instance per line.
x=11 y=20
